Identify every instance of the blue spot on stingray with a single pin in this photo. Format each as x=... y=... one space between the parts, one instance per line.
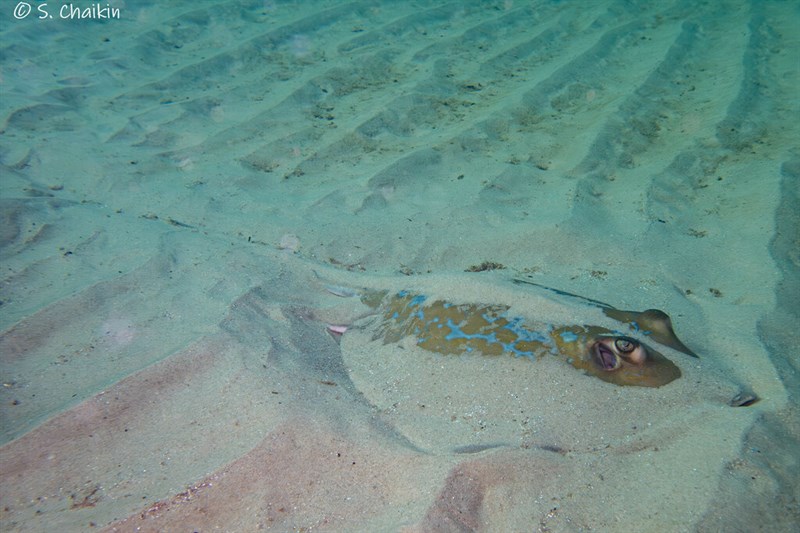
x=568 y=336
x=512 y=347
x=523 y=334
x=457 y=333
x=418 y=299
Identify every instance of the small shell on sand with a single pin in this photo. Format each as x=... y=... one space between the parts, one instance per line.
x=290 y=242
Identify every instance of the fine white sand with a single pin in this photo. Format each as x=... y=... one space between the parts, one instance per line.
x=184 y=189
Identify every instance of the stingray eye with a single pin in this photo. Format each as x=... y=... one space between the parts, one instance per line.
x=625 y=345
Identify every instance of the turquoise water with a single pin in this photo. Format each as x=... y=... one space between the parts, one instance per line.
x=178 y=180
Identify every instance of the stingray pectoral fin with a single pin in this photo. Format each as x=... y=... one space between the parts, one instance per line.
x=373 y=298
x=654 y=321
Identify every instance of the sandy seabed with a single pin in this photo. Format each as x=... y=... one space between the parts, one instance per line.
x=193 y=193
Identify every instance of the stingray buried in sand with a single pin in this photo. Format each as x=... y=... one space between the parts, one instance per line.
x=490 y=329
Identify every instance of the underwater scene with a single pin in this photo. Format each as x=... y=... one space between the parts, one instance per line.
x=402 y=266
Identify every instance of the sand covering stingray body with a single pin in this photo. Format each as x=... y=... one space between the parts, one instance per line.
x=490 y=329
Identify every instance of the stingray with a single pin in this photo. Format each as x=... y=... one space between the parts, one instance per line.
x=614 y=352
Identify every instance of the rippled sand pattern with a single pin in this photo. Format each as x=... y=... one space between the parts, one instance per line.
x=189 y=194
